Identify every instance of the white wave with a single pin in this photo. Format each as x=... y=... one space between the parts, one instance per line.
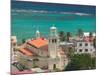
x=29 y=11
x=44 y=11
x=65 y=12
x=76 y=13
x=82 y=14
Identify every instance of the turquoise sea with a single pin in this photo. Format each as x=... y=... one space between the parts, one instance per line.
x=26 y=22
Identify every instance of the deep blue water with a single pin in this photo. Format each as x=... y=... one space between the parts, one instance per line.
x=53 y=7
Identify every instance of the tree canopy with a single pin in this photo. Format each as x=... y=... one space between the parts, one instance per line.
x=81 y=62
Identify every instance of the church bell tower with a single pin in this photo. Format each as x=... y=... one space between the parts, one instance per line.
x=53 y=42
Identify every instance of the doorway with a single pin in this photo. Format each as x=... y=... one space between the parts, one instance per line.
x=54 y=66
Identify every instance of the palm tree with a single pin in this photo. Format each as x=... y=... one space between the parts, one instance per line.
x=23 y=40
x=70 y=52
x=80 y=32
x=90 y=36
x=68 y=36
x=62 y=36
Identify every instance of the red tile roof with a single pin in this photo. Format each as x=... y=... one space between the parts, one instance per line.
x=40 y=42
x=88 y=39
x=26 y=51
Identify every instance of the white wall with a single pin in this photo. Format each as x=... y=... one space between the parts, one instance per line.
x=90 y=47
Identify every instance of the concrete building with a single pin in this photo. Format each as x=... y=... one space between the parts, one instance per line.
x=13 y=48
x=85 y=45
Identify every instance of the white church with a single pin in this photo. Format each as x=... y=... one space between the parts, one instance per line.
x=48 y=52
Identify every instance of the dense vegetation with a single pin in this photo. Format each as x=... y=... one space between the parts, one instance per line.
x=81 y=62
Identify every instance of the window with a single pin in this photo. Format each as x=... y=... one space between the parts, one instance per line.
x=80 y=50
x=41 y=52
x=91 y=50
x=86 y=44
x=55 y=40
x=49 y=40
x=54 y=66
x=86 y=50
x=91 y=44
x=80 y=44
x=12 y=39
x=52 y=40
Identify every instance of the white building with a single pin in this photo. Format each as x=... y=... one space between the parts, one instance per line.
x=84 y=47
x=86 y=34
x=13 y=48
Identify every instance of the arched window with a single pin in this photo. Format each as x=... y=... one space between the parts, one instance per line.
x=86 y=50
x=86 y=44
x=55 y=40
x=80 y=50
x=80 y=44
x=54 y=66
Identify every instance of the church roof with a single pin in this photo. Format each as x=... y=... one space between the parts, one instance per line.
x=39 y=42
x=26 y=51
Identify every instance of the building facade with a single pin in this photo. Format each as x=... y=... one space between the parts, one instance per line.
x=84 y=47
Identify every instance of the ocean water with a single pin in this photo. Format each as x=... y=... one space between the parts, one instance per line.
x=25 y=22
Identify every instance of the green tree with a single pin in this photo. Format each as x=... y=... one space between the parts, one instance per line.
x=90 y=36
x=81 y=62
x=68 y=35
x=23 y=40
x=93 y=65
x=80 y=32
x=62 y=36
x=70 y=52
